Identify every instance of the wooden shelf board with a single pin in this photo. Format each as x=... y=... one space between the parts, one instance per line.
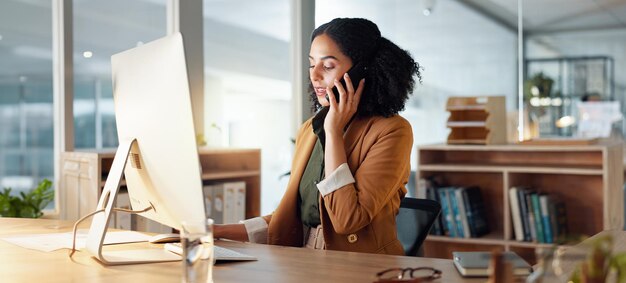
x=510 y=168
x=468 y=141
x=517 y=147
x=489 y=239
x=216 y=176
x=230 y=174
x=466 y=107
x=532 y=245
x=466 y=124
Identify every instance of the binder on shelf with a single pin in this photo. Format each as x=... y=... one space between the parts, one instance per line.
x=142 y=224
x=123 y=219
x=228 y=201
x=240 y=201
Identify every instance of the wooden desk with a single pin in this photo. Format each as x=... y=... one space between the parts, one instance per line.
x=275 y=264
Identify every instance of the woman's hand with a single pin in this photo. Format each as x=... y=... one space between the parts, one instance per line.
x=341 y=112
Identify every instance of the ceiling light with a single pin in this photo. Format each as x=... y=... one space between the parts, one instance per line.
x=0 y=37
x=427 y=7
x=87 y=54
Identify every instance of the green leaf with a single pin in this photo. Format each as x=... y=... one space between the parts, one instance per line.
x=28 y=204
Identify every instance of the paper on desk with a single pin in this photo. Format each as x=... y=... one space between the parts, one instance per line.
x=55 y=241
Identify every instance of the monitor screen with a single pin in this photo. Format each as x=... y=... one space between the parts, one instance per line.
x=153 y=106
x=157 y=150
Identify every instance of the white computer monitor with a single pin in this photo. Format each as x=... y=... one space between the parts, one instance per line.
x=157 y=151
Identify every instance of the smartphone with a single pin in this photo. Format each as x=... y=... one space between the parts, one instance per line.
x=356 y=73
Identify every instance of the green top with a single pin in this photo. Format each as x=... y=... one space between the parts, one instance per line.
x=313 y=174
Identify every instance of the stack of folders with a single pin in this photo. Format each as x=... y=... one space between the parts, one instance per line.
x=463 y=213
x=537 y=217
x=225 y=203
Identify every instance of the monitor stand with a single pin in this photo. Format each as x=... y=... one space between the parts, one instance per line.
x=100 y=222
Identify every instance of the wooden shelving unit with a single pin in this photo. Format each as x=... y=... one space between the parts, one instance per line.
x=588 y=179
x=477 y=120
x=84 y=175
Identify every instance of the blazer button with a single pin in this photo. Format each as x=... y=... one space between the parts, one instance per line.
x=352 y=238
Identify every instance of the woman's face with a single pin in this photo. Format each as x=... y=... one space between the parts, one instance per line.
x=327 y=63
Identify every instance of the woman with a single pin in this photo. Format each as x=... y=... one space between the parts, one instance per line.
x=352 y=159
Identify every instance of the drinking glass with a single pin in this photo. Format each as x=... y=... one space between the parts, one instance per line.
x=196 y=238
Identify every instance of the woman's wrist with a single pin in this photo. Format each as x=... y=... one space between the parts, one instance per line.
x=331 y=131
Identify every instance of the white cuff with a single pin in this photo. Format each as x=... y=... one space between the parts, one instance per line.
x=257 y=230
x=339 y=178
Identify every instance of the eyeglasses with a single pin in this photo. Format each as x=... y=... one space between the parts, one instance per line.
x=419 y=274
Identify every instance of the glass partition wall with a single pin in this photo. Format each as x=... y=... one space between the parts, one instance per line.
x=461 y=52
x=575 y=55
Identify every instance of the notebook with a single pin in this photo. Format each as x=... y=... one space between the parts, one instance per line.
x=476 y=264
x=221 y=254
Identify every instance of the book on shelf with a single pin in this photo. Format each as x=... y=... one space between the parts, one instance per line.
x=558 y=217
x=446 y=209
x=545 y=219
x=438 y=227
x=531 y=215
x=456 y=214
x=421 y=189
x=462 y=216
x=537 y=217
x=515 y=214
x=476 y=264
x=523 y=208
x=463 y=212
x=475 y=211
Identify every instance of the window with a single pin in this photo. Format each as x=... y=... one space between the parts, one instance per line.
x=247 y=84
x=26 y=129
x=101 y=29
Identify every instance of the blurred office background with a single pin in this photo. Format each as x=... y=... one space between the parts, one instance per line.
x=466 y=48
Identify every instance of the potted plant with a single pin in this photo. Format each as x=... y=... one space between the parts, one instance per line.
x=26 y=205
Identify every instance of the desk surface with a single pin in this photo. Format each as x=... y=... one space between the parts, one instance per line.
x=275 y=264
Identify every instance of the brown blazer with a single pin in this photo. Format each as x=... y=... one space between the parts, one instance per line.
x=361 y=216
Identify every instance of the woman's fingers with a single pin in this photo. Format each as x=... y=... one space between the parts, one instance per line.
x=331 y=97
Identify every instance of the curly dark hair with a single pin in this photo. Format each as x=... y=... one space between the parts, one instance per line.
x=390 y=74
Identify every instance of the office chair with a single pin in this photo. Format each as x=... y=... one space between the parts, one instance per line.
x=413 y=222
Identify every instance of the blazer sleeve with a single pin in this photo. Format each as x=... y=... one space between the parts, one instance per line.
x=377 y=179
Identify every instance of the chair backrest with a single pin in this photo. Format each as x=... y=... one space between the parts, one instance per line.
x=413 y=222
